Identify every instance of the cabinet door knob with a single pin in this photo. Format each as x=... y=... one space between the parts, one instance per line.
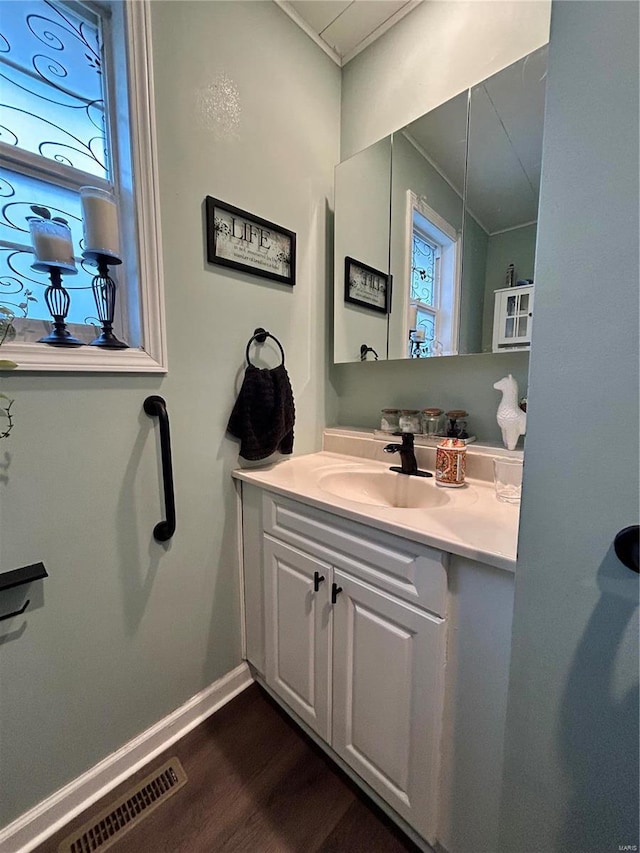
x=335 y=590
x=317 y=580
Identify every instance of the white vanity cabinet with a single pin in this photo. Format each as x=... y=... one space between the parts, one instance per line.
x=349 y=631
x=403 y=680
x=512 y=318
x=388 y=691
x=298 y=632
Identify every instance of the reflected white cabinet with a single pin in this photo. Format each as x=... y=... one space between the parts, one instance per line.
x=512 y=318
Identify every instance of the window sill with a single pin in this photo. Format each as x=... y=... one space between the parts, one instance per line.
x=43 y=358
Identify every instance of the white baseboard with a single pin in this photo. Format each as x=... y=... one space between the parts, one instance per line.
x=40 y=822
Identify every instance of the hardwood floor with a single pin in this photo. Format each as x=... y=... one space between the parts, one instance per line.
x=256 y=784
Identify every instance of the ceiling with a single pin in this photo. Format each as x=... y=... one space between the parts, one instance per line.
x=505 y=143
x=345 y=27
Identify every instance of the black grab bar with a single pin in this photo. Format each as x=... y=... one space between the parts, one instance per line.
x=155 y=406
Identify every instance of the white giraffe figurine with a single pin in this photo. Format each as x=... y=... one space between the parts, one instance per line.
x=511 y=419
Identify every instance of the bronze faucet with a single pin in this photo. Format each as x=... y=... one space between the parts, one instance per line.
x=408 y=464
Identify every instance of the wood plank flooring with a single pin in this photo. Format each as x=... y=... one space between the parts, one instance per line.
x=256 y=784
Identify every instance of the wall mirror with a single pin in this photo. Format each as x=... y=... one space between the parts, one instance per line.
x=446 y=209
x=362 y=208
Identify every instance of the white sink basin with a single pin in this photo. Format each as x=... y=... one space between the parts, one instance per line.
x=384 y=488
x=469 y=521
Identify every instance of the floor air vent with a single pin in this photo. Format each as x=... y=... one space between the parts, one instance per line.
x=127 y=811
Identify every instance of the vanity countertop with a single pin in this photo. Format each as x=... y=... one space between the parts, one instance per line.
x=471 y=523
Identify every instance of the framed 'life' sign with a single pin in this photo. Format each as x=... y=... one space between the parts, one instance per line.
x=366 y=286
x=237 y=239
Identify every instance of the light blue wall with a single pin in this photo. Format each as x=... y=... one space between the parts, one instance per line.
x=571 y=777
x=129 y=629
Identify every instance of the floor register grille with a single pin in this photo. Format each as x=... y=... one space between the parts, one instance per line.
x=101 y=832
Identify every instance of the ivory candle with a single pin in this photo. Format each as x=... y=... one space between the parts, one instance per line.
x=413 y=316
x=100 y=222
x=51 y=243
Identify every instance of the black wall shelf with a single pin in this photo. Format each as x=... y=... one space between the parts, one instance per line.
x=26 y=574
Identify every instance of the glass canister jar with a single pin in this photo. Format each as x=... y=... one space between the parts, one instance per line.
x=456 y=424
x=432 y=421
x=389 y=420
x=410 y=421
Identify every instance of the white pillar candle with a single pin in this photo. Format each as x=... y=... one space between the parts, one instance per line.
x=413 y=316
x=100 y=222
x=51 y=243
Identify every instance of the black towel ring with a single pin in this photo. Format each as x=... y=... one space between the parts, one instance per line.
x=260 y=336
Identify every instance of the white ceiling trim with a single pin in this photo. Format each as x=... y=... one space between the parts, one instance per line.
x=288 y=9
x=380 y=30
x=512 y=228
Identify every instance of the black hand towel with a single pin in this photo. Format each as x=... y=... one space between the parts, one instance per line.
x=264 y=413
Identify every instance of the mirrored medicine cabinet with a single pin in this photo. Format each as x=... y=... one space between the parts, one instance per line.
x=442 y=213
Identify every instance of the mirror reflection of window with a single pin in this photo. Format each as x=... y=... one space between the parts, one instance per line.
x=434 y=282
x=427 y=188
x=424 y=269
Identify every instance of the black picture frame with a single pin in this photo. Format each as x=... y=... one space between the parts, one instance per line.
x=241 y=241
x=365 y=286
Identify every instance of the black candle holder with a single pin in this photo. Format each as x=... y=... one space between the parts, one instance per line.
x=58 y=301
x=418 y=348
x=104 y=293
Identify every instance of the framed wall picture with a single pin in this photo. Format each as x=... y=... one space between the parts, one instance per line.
x=242 y=241
x=366 y=286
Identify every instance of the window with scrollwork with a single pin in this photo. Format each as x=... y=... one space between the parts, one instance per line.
x=434 y=287
x=76 y=110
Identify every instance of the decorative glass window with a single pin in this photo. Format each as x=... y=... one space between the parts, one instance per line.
x=73 y=78
x=51 y=60
x=423 y=268
x=424 y=292
x=434 y=291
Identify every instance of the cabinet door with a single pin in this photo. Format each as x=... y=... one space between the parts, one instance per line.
x=388 y=690
x=297 y=632
x=514 y=315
